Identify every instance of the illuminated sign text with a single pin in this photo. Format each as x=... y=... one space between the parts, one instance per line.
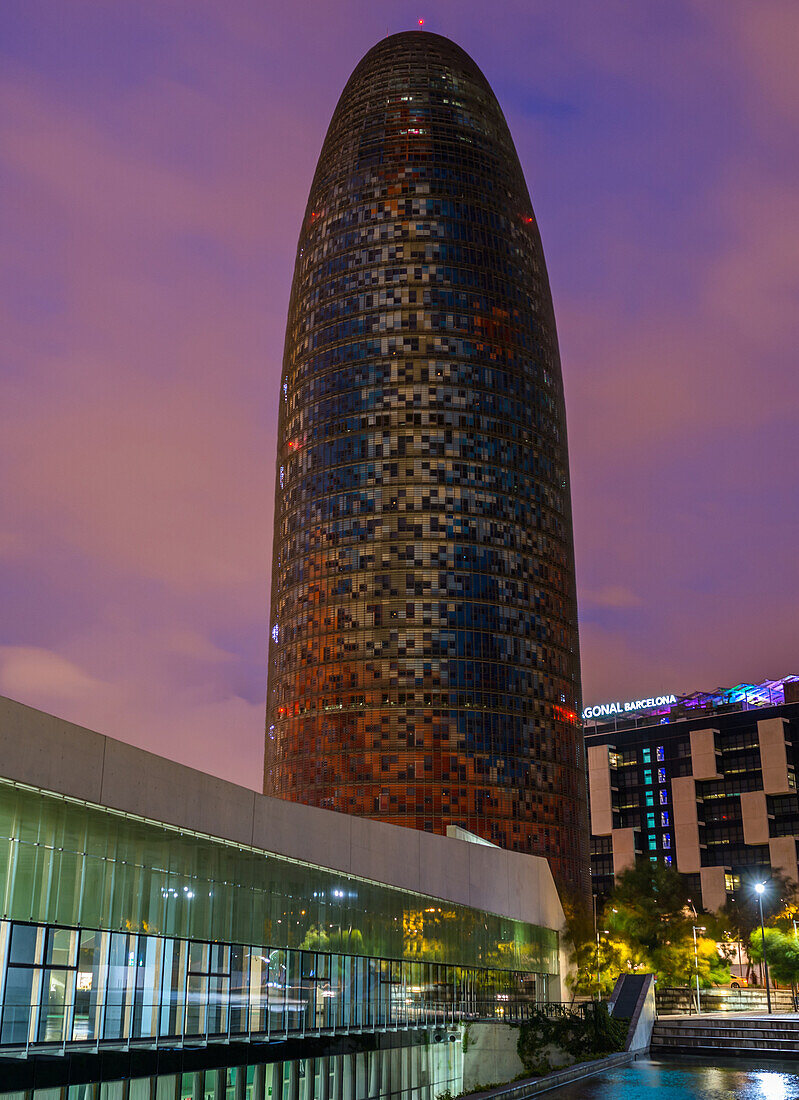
x=607 y=710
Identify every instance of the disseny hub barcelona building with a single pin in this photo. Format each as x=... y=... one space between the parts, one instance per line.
x=424 y=663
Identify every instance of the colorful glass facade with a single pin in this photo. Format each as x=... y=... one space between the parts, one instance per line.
x=424 y=665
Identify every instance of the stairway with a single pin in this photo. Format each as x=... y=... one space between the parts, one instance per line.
x=748 y=1036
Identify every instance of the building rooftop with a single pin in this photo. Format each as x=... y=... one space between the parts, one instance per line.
x=656 y=710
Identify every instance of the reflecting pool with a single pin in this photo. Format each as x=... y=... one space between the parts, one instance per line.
x=726 y=1079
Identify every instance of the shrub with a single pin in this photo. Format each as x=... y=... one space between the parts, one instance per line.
x=580 y=1036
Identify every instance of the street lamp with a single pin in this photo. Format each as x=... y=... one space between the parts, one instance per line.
x=596 y=933
x=605 y=932
x=759 y=889
x=697 y=928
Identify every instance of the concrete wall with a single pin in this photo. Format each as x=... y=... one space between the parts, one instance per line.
x=623 y=849
x=704 y=756
x=714 y=890
x=599 y=788
x=47 y=752
x=686 y=824
x=754 y=814
x=782 y=855
x=490 y=1056
x=773 y=755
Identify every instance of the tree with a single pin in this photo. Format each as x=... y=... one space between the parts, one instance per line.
x=741 y=912
x=649 y=913
x=348 y=940
x=782 y=954
x=740 y=916
x=595 y=966
x=646 y=926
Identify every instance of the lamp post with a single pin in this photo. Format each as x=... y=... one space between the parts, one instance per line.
x=697 y=928
x=596 y=933
x=759 y=889
x=605 y=932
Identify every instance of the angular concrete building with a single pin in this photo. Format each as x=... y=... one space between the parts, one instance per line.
x=166 y=934
x=424 y=663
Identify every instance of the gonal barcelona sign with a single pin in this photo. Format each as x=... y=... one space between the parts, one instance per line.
x=608 y=710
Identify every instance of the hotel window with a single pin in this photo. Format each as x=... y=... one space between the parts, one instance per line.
x=653 y=843
x=731 y=882
x=664 y=818
x=661 y=754
x=667 y=840
x=650 y=821
x=667 y=860
x=647 y=756
x=664 y=798
x=648 y=777
x=661 y=775
x=650 y=798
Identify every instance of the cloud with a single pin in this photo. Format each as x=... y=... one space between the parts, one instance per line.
x=155 y=162
x=30 y=672
x=154 y=478
x=169 y=694
x=613 y=596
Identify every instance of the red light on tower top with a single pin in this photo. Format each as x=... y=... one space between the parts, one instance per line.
x=421 y=22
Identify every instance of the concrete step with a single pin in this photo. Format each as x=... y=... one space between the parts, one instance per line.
x=775 y=1053
x=725 y=1040
x=705 y=1041
x=726 y=1024
x=766 y=1025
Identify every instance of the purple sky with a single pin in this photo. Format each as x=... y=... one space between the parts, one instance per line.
x=155 y=158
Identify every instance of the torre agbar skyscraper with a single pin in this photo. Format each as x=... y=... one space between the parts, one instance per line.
x=424 y=662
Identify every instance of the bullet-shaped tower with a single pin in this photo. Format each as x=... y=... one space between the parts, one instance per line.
x=424 y=662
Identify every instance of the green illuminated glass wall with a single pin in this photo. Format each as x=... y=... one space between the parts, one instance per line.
x=64 y=862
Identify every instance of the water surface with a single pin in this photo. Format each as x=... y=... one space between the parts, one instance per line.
x=726 y=1079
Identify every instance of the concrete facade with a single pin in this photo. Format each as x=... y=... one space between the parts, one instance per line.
x=773 y=756
x=490 y=1054
x=686 y=825
x=704 y=754
x=625 y=849
x=754 y=816
x=714 y=889
x=599 y=789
